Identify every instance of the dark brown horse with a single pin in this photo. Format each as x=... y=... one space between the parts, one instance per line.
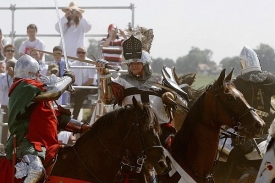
x=98 y=155
x=195 y=145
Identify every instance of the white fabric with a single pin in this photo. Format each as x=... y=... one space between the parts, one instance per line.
x=175 y=167
x=5 y=83
x=267 y=169
x=27 y=45
x=74 y=35
x=155 y=102
x=63 y=137
x=82 y=75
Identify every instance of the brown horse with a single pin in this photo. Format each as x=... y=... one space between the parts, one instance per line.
x=99 y=155
x=195 y=145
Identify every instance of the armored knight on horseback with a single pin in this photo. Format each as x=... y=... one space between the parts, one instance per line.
x=258 y=87
x=138 y=82
x=33 y=119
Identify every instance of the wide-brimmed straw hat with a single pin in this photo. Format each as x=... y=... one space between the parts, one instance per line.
x=73 y=6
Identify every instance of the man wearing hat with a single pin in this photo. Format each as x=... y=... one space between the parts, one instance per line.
x=74 y=26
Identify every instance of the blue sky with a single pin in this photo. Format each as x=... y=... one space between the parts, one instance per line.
x=221 y=26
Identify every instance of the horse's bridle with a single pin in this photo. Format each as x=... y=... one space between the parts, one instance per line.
x=236 y=118
x=209 y=177
x=141 y=157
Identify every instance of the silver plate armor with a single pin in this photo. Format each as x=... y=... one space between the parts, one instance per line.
x=55 y=87
x=26 y=67
x=30 y=166
x=249 y=60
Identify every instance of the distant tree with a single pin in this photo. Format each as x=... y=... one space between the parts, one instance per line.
x=267 y=57
x=169 y=63
x=190 y=62
x=157 y=65
x=230 y=63
x=17 y=44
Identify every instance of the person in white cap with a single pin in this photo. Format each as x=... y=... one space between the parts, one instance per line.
x=74 y=26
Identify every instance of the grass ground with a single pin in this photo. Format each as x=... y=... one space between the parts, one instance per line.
x=204 y=80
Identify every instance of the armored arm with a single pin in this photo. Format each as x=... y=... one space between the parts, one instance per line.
x=106 y=92
x=55 y=87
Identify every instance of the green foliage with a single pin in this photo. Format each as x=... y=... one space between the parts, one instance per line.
x=230 y=63
x=267 y=57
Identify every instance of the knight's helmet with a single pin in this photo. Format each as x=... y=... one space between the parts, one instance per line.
x=132 y=52
x=249 y=60
x=26 y=67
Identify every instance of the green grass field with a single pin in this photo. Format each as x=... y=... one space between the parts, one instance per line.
x=204 y=80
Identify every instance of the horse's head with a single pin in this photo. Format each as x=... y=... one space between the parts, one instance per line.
x=143 y=137
x=232 y=109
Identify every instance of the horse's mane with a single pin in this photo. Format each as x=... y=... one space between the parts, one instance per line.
x=119 y=115
x=183 y=135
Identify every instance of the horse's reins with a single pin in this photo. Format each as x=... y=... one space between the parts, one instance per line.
x=235 y=117
x=209 y=176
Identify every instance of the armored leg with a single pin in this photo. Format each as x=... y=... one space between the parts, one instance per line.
x=30 y=166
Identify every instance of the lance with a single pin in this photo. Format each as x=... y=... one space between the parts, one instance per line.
x=70 y=88
x=75 y=58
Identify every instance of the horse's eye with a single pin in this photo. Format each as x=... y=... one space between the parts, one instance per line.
x=229 y=97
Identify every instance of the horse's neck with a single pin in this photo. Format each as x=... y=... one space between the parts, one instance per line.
x=92 y=159
x=201 y=150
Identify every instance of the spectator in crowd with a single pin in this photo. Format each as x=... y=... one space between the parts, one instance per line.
x=74 y=26
x=32 y=42
x=9 y=51
x=112 y=45
x=5 y=84
x=83 y=77
x=58 y=60
x=43 y=66
x=3 y=42
x=53 y=69
x=2 y=68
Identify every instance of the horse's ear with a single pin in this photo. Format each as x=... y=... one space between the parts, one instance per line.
x=229 y=76
x=219 y=82
x=134 y=100
x=136 y=103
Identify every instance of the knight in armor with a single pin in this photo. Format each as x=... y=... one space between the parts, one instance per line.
x=33 y=119
x=138 y=82
x=258 y=87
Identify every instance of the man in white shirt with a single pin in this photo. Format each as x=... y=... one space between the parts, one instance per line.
x=74 y=26
x=83 y=77
x=32 y=42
